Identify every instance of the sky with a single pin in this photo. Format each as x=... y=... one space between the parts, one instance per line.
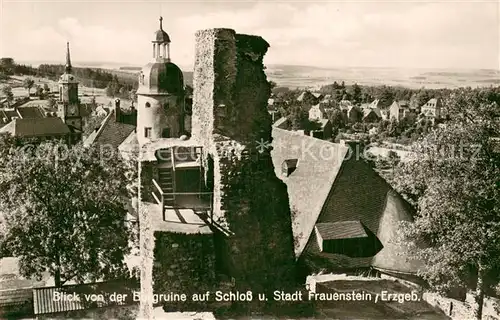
x=410 y=34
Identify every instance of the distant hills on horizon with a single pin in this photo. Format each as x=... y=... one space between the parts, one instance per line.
x=297 y=76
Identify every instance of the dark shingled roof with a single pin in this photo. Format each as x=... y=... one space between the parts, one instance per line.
x=10 y=114
x=32 y=127
x=341 y=230
x=30 y=112
x=111 y=132
x=331 y=187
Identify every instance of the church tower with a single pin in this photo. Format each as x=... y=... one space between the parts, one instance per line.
x=69 y=104
x=160 y=96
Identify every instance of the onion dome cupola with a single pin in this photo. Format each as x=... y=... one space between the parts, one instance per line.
x=161 y=76
x=67 y=76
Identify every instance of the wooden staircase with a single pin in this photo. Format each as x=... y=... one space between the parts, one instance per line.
x=166 y=182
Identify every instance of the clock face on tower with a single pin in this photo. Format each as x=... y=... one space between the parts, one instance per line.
x=72 y=110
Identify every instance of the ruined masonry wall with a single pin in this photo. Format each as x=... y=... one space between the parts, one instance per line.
x=230 y=115
x=183 y=263
x=213 y=78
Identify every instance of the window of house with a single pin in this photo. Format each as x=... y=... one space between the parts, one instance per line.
x=148 y=105
x=147 y=132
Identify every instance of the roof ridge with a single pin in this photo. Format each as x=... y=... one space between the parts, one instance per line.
x=103 y=125
x=325 y=202
x=333 y=144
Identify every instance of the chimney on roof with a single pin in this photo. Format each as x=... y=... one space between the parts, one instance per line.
x=118 y=111
x=288 y=167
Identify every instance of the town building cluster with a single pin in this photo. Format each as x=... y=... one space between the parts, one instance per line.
x=64 y=121
x=319 y=106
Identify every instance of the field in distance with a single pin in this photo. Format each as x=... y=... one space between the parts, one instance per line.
x=313 y=77
x=306 y=76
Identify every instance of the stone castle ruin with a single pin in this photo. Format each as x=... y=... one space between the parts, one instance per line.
x=210 y=204
x=218 y=184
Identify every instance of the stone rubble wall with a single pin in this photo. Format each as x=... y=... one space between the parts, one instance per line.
x=230 y=116
x=183 y=263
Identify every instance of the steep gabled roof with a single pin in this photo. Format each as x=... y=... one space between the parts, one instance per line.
x=310 y=183
x=30 y=112
x=111 y=132
x=305 y=94
x=376 y=111
x=281 y=122
x=375 y=104
x=330 y=190
x=32 y=127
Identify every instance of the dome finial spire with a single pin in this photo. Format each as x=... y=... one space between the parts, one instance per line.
x=161 y=23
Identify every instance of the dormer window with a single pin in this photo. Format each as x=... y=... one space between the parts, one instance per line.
x=288 y=167
x=350 y=238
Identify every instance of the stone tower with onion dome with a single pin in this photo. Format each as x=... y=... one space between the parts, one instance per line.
x=160 y=96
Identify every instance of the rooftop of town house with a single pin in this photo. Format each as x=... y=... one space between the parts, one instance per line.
x=32 y=127
x=30 y=112
x=306 y=198
x=110 y=132
x=367 y=111
x=281 y=122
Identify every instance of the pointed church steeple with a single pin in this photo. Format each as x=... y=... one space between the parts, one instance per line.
x=68 y=59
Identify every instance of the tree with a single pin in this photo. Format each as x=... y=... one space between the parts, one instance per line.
x=422 y=97
x=110 y=90
x=39 y=92
x=92 y=124
x=273 y=85
x=455 y=186
x=297 y=117
x=52 y=103
x=28 y=84
x=7 y=66
x=57 y=217
x=386 y=95
x=7 y=92
x=46 y=88
x=356 y=94
x=337 y=119
x=393 y=159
